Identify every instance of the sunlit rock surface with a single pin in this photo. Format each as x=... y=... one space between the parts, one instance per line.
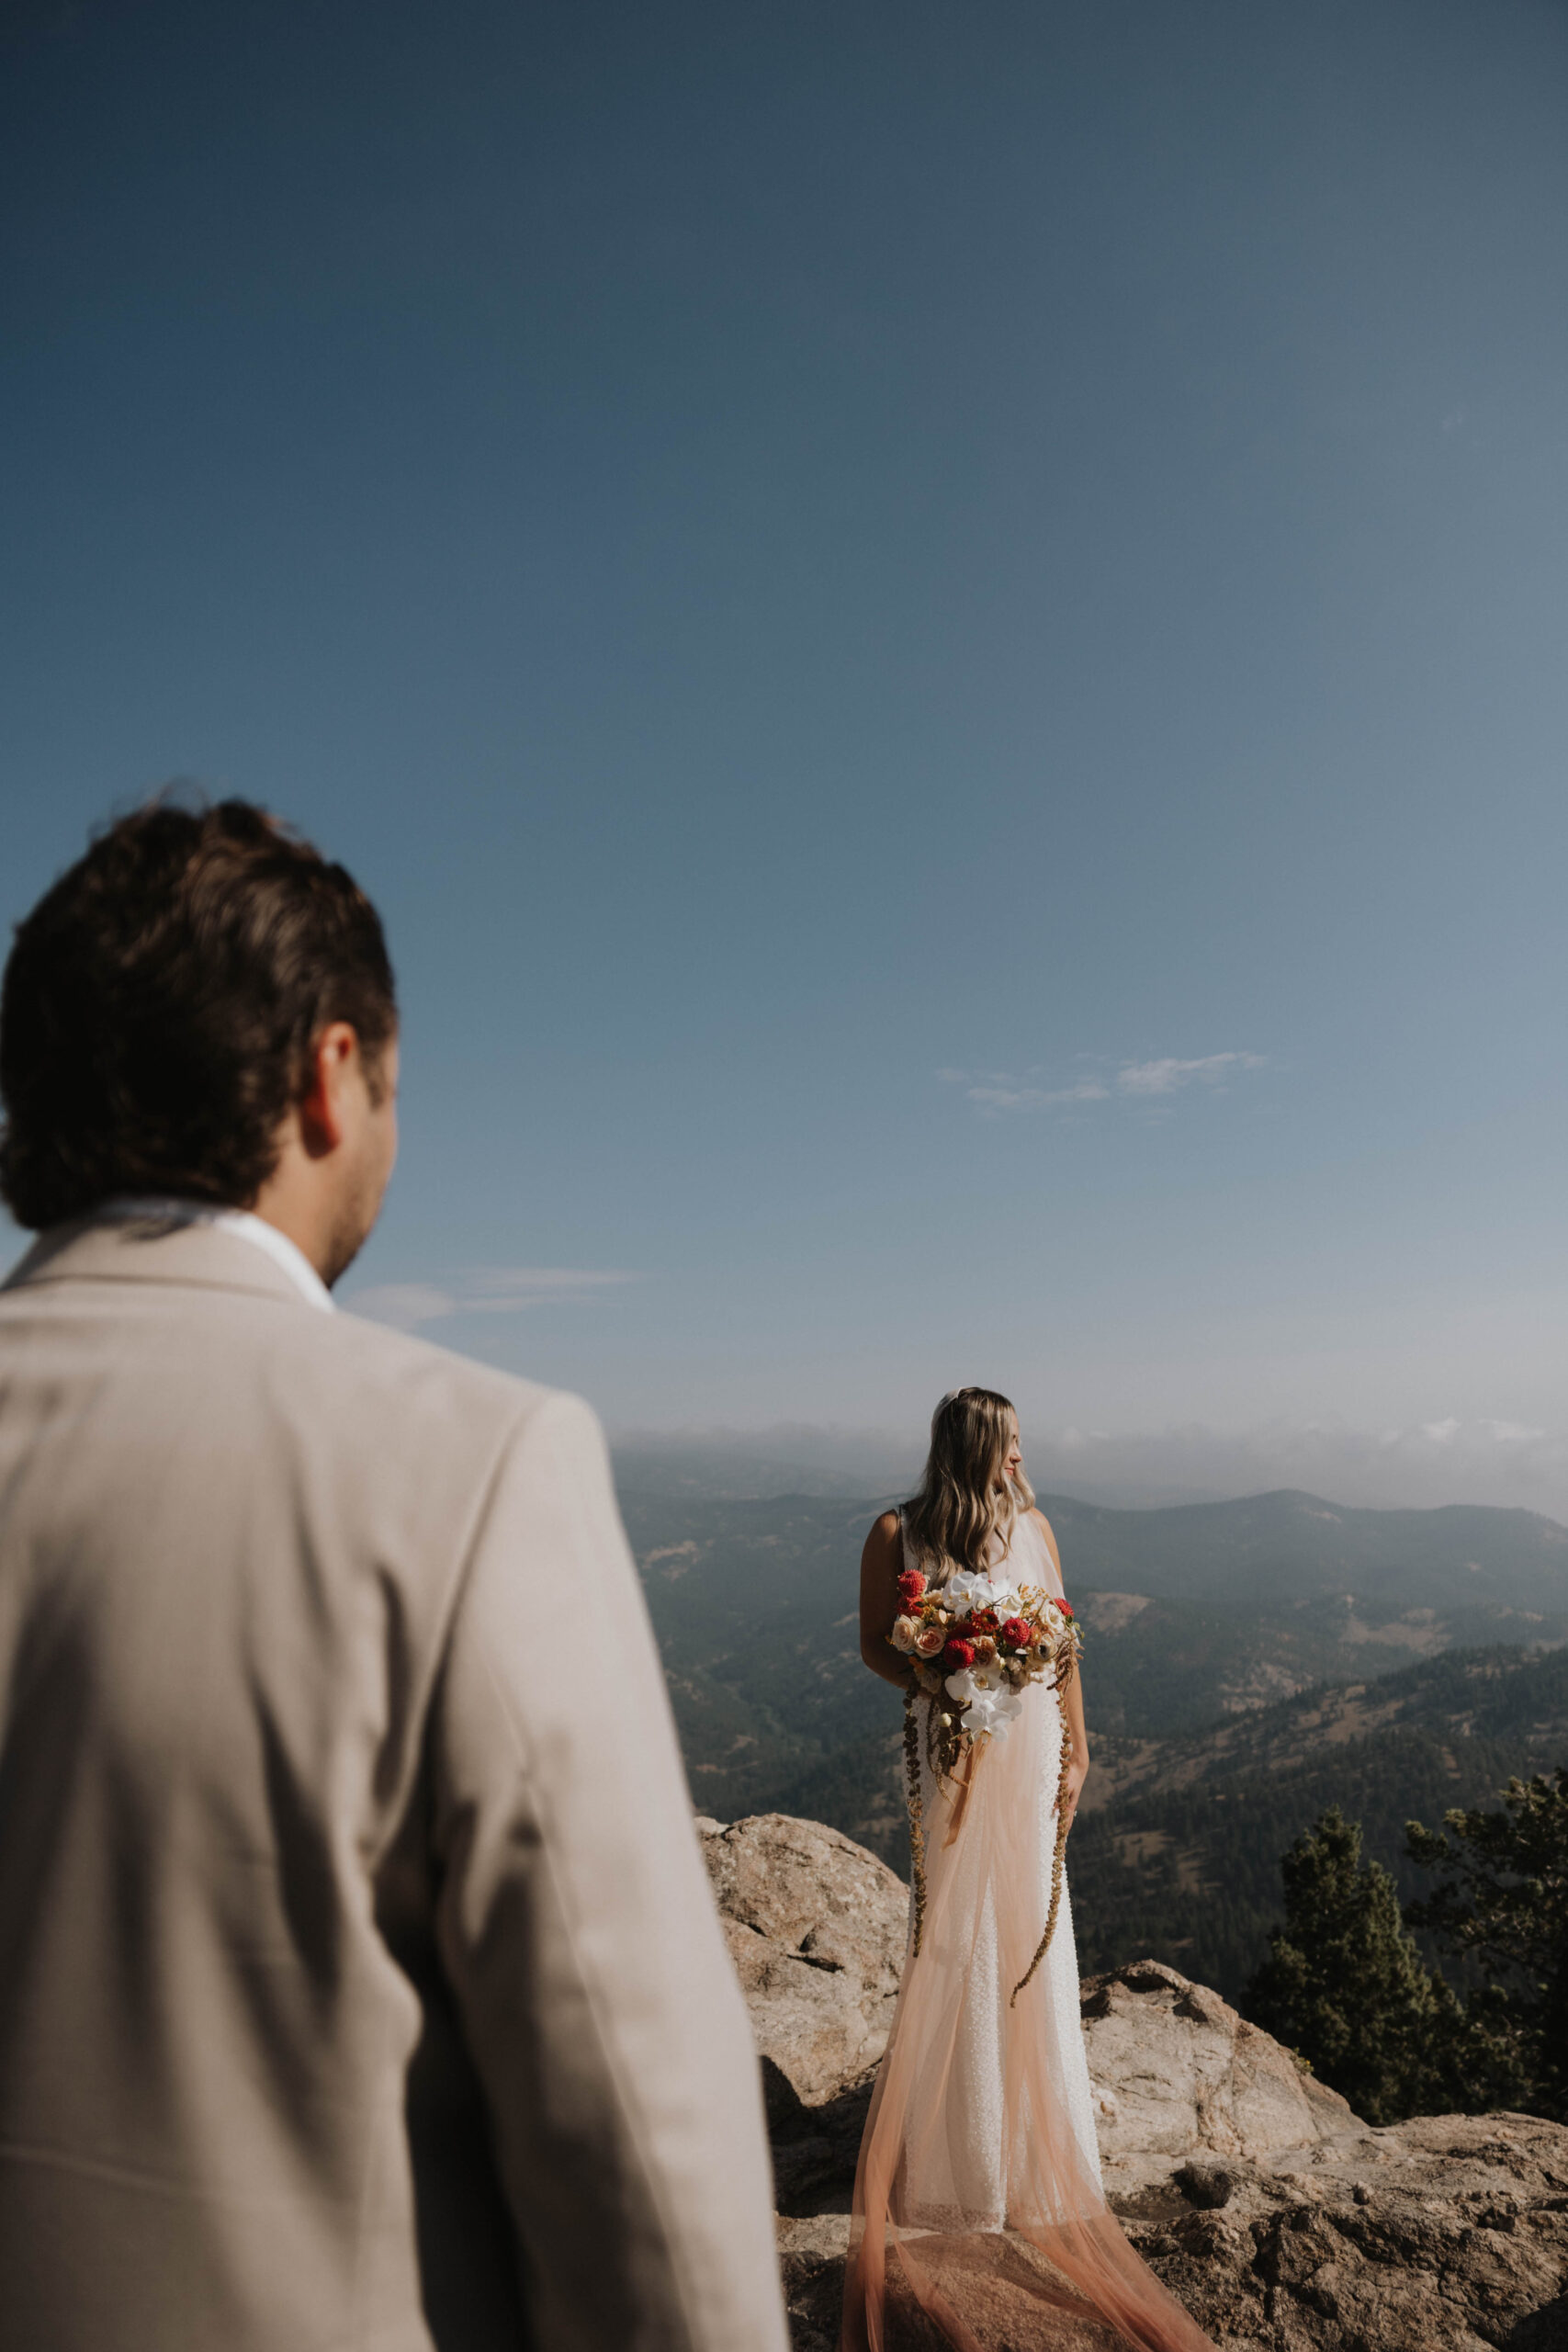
x=1282 y=2222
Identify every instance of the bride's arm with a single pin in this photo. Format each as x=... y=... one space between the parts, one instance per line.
x=1072 y=1704
x=879 y=1564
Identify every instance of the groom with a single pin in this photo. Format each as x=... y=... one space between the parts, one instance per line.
x=360 y=1988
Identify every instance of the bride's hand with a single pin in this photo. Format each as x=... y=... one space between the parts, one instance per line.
x=1077 y=1773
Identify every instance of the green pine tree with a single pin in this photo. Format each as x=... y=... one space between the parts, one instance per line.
x=1345 y=1987
x=1503 y=1903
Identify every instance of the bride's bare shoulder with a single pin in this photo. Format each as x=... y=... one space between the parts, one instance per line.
x=885 y=1530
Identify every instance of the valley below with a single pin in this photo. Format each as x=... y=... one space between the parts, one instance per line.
x=1247 y=1664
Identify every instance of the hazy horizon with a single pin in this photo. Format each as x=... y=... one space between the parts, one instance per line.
x=1383 y=1470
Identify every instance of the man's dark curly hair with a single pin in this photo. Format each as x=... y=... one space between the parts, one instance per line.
x=161 y=1002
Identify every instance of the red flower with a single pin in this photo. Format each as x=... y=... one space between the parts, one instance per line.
x=983 y=1620
x=1015 y=1632
x=958 y=1655
x=1065 y=1607
x=911 y=1586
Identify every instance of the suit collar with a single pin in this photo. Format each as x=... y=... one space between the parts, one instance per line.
x=243 y=1222
x=157 y=1243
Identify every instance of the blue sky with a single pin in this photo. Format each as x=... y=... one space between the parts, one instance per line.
x=940 y=632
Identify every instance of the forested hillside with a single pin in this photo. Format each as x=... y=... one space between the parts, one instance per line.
x=1181 y=1857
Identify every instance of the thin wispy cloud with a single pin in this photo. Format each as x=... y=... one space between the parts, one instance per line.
x=1134 y=1082
x=1168 y=1076
x=486 y=1290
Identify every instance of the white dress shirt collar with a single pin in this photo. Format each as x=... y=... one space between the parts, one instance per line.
x=255 y=1229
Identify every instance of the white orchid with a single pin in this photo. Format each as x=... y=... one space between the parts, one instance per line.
x=994 y=1711
x=972 y=1588
x=972 y=1682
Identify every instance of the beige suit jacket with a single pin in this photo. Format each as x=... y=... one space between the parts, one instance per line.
x=359 y=1981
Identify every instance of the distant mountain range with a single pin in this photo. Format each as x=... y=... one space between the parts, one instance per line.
x=1226 y=1606
x=1466 y=1558
x=1192 y=1612
x=1247 y=1664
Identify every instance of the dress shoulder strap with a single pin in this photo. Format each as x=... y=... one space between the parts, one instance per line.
x=1050 y=1575
x=910 y=1560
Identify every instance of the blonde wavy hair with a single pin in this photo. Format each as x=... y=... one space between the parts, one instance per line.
x=965 y=1500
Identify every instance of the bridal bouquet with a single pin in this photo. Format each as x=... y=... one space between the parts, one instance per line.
x=976 y=1643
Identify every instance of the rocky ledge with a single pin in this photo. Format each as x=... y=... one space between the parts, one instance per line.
x=1282 y=2222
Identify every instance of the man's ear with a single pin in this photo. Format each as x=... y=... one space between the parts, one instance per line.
x=333 y=1057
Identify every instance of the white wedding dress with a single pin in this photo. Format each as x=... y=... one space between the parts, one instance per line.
x=957 y=2177
x=978 y=2207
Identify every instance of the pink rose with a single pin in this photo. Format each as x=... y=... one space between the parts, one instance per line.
x=930 y=1639
x=906 y=1631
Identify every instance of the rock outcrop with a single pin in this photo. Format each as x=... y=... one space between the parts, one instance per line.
x=1286 y=2224
x=1283 y=2222
x=817 y=1927
x=1179 y=2077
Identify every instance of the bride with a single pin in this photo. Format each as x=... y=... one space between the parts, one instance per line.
x=979 y=2222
